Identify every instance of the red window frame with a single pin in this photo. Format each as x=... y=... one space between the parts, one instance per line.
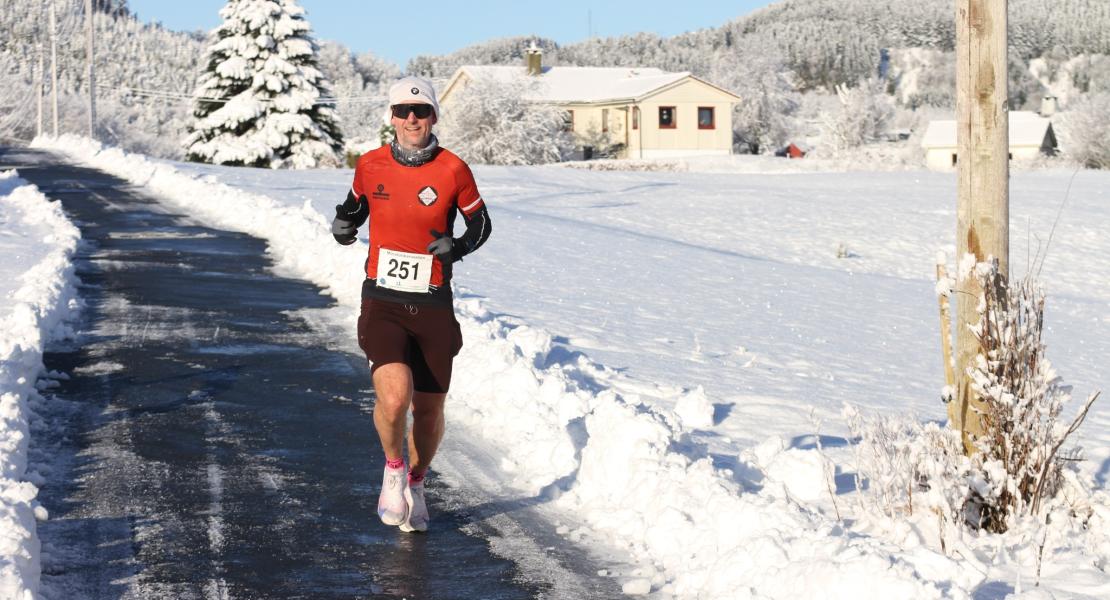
x=635 y=117
x=674 y=117
x=712 y=117
x=604 y=120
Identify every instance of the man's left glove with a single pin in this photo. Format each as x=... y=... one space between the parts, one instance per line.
x=442 y=246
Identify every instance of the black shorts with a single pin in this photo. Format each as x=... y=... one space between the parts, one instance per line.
x=426 y=337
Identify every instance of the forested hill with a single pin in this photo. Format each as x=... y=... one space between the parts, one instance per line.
x=823 y=42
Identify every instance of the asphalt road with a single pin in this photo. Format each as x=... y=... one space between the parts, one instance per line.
x=208 y=443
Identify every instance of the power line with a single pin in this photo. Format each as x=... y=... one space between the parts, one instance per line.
x=181 y=96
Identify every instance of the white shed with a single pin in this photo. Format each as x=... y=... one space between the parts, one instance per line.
x=1030 y=136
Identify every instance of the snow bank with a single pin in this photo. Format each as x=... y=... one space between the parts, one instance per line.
x=572 y=433
x=37 y=296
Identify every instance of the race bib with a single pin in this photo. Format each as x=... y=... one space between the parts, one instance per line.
x=404 y=271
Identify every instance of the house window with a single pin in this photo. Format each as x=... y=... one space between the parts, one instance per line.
x=568 y=120
x=635 y=117
x=705 y=118
x=604 y=120
x=666 y=117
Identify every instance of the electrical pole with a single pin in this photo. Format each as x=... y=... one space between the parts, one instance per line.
x=54 y=64
x=92 y=71
x=40 y=84
x=983 y=189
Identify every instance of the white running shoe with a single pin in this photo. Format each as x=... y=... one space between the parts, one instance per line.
x=392 y=507
x=418 y=510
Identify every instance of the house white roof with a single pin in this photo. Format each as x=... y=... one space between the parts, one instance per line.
x=586 y=84
x=1026 y=129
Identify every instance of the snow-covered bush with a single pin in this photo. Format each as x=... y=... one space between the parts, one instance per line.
x=1019 y=460
x=1019 y=471
x=905 y=467
x=865 y=112
x=490 y=121
x=601 y=144
x=1085 y=131
x=258 y=103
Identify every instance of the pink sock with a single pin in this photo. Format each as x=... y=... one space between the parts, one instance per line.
x=416 y=478
x=395 y=463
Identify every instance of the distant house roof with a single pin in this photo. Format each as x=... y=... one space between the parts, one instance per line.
x=567 y=85
x=1027 y=129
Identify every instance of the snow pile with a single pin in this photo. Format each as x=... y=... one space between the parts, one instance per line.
x=622 y=456
x=611 y=460
x=694 y=409
x=299 y=237
x=38 y=296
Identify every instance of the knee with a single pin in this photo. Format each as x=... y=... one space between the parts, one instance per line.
x=427 y=413
x=390 y=406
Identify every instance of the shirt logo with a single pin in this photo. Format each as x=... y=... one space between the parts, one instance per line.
x=428 y=195
x=380 y=193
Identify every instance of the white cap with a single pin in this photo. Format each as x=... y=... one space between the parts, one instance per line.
x=411 y=90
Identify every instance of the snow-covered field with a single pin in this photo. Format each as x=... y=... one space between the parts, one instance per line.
x=655 y=356
x=37 y=295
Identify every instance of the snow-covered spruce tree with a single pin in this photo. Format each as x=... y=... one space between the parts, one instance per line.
x=491 y=121
x=259 y=101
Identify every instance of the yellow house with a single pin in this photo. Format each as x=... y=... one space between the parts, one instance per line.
x=644 y=112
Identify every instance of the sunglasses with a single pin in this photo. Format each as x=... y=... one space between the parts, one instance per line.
x=422 y=111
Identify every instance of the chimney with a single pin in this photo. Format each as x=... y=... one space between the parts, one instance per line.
x=1048 y=106
x=534 y=59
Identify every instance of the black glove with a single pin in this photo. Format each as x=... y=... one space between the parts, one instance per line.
x=348 y=217
x=441 y=245
x=342 y=227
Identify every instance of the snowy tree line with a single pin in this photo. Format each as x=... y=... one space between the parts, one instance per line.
x=824 y=43
x=787 y=62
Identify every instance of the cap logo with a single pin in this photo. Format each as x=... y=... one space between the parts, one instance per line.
x=415 y=91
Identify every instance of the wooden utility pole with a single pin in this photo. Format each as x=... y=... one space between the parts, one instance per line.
x=54 y=64
x=983 y=171
x=92 y=71
x=40 y=84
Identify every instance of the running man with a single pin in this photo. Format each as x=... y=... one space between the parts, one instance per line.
x=410 y=191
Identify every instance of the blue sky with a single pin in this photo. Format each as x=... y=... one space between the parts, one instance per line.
x=397 y=31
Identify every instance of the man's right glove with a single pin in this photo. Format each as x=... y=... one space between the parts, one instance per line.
x=348 y=217
x=441 y=245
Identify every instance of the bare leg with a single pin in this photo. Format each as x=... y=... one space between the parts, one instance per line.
x=393 y=386
x=428 y=426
